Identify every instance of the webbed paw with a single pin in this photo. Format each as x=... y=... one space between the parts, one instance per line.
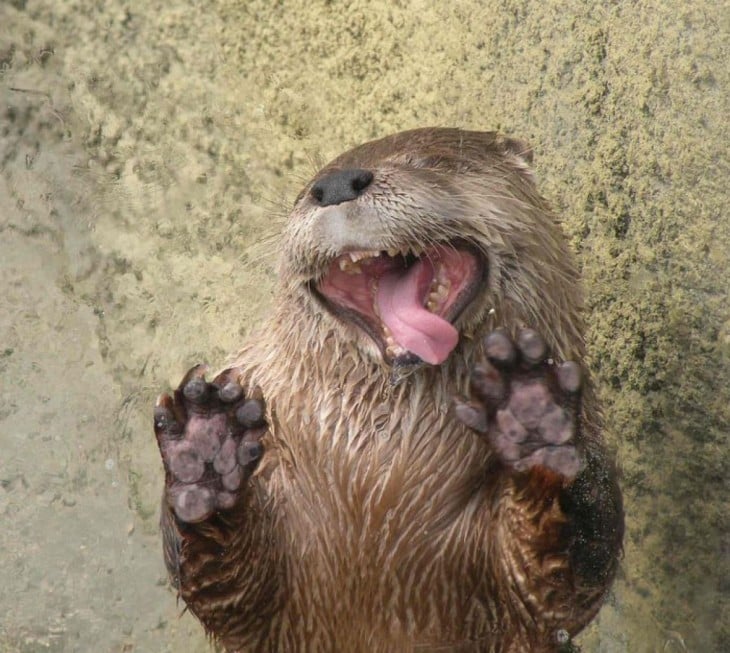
x=527 y=406
x=209 y=435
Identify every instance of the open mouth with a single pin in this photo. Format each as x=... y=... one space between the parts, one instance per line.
x=406 y=301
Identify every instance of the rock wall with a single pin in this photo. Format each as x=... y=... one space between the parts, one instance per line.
x=148 y=154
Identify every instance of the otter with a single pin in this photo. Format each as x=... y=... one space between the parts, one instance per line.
x=408 y=454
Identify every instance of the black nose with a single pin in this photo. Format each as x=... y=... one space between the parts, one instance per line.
x=341 y=186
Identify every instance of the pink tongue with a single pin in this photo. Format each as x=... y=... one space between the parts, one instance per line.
x=400 y=303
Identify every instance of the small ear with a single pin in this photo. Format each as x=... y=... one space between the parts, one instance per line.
x=519 y=148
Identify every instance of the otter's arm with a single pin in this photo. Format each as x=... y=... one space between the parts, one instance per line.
x=559 y=542
x=216 y=530
x=559 y=526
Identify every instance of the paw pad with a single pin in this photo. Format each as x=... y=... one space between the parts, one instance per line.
x=209 y=438
x=525 y=404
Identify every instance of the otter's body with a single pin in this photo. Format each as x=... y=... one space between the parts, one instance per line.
x=377 y=520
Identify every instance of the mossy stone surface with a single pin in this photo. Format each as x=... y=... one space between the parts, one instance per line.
x=148 y=155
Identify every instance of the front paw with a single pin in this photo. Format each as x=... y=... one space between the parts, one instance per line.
x=527 y=406
x=209 y=435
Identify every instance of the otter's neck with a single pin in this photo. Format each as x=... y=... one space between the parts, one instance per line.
x=312 y=361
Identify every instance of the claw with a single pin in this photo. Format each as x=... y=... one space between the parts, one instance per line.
x=163 y=401
x=197 y=371
x=162 y=414
x=230 y=389
x=167 y=420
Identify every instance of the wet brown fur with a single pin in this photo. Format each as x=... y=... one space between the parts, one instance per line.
x=376 y=521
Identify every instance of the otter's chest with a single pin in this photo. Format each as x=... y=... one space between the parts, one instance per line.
x=378 y=521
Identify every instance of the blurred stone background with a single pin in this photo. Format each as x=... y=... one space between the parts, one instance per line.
x=148 y=154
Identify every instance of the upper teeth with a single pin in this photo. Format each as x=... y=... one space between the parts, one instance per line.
x=349 y=262
x=346 y=265
x=358 y=256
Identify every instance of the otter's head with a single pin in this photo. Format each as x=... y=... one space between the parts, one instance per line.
x=410 y=241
